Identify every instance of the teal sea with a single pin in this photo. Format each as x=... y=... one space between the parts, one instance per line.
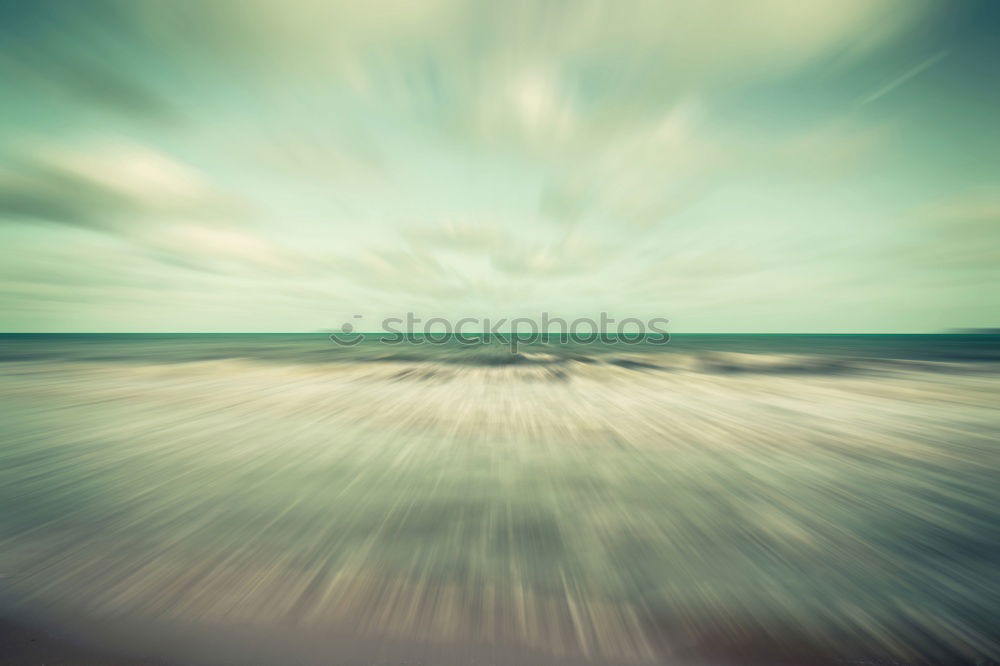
x=318 y=347
x=721 y=499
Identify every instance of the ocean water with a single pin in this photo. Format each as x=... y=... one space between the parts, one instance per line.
x=720 y=499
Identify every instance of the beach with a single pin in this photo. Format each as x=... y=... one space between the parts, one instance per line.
x=782 y=499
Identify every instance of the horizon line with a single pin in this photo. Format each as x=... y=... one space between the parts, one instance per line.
x=954 y=331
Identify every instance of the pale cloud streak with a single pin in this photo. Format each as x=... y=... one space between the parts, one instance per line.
x=903 y=78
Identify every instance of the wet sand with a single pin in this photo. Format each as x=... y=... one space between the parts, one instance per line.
x=82 y=642
x=25 y=644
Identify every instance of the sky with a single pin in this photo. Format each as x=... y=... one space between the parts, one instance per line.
x=731 y=165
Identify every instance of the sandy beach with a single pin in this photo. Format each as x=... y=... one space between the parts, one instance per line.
x=614 y=507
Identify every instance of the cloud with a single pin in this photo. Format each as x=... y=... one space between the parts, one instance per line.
x=903 y=78
x=71 y=53
x=112 y=185
x=541 y=74
x=548 y=254
x=89 y=82
x=160 y=205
